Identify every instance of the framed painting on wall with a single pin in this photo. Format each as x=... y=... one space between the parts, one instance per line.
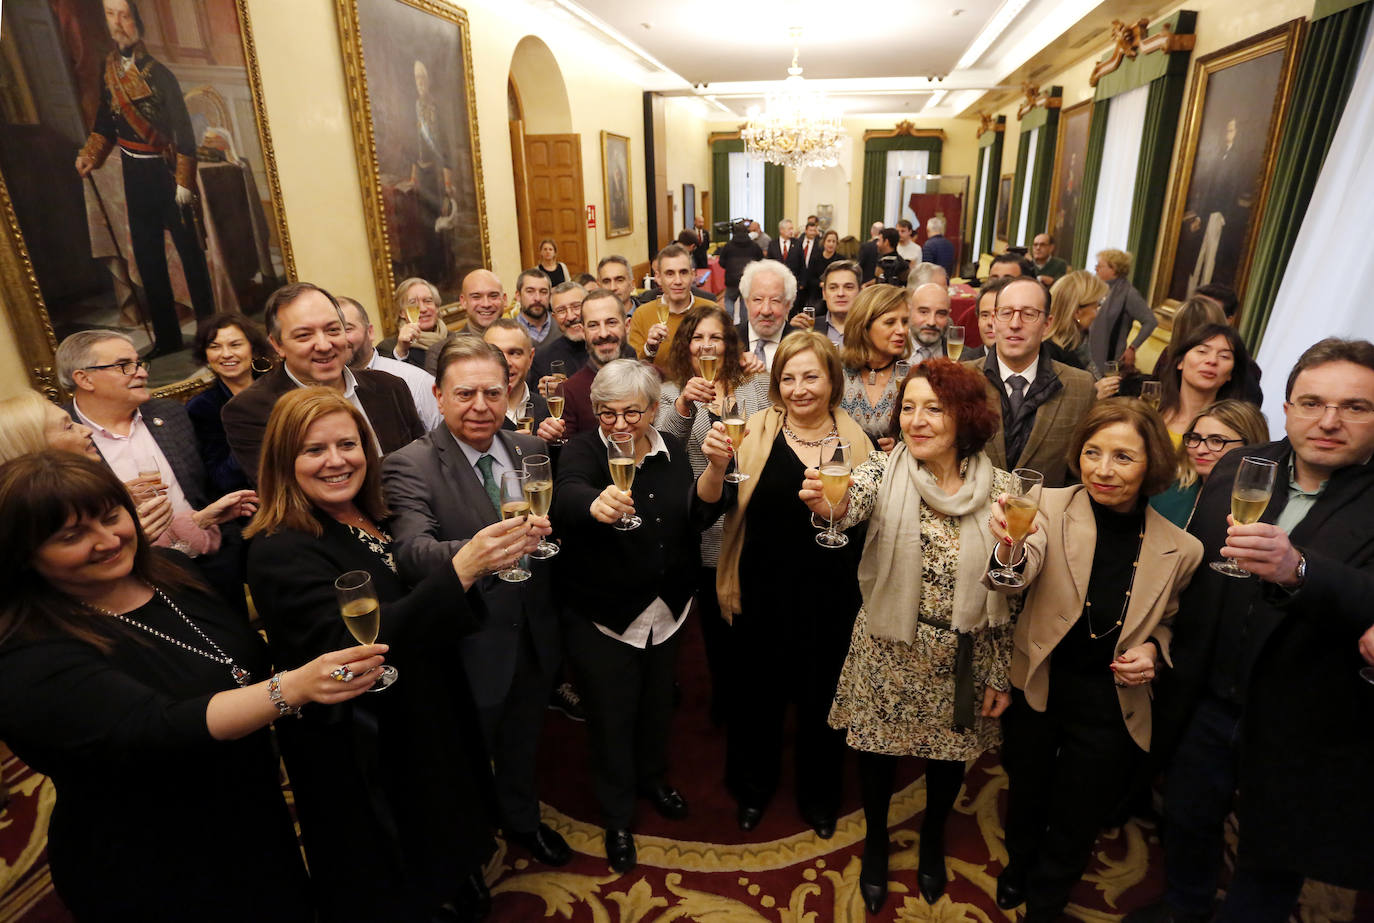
x=615 y=180
x=1000 y=229
x=1070 y=158
x=141 y=199
x=409 y=63
x=1235 y=113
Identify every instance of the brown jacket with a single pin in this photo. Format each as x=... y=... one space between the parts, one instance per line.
x=1059 y=559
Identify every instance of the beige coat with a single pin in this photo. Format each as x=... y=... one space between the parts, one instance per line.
x=1059 y=559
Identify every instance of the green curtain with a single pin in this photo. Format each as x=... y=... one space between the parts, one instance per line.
x=1325 y=72
x=772 y=197
x=1018 y=184
x=1092 y=169
x=720 y=177
x=874 y=186
x=986 y=202
x=1041 y=177
x=1162 y=110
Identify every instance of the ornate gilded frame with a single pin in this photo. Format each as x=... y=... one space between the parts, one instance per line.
x=1286 y=38
x=23 y=299
x=628 y=229
x=1001 y=216
x=1067 y=115
x=365 y=143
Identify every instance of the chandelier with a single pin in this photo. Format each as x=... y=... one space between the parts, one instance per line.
x=798 y=127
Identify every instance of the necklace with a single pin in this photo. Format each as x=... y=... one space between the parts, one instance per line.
x=1088 y=608
x=873 y=373
x=811 y=443
x=239 y=674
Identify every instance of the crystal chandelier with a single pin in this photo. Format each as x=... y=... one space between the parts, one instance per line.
x=798 y=127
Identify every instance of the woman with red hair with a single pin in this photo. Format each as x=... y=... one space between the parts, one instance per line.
x=927 y=668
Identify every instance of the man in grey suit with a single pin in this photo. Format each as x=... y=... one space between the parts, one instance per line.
x=442 y=489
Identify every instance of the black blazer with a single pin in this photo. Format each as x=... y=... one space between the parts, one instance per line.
x=221 y=467
x=868 y=259
x=794 y=256
x=385 y=398
x=662 y=558
x=539 y=406
x=171 y=429
x=437 y=503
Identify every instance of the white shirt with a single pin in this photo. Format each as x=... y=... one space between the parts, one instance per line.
x=122 y=454
x=350 y=393
x=515 y=402
x=909 y=251
x=656 y=623
x=770 y=346
x=1028 y=373
x=501 y=460
x=420 y=383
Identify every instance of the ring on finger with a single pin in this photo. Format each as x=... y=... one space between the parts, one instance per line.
x=342 y=674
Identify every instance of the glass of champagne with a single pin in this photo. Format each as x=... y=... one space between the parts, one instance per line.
x=709 y=362
x=1367 y=674
x=1250 y=494
x=1112 y=369
x=901 y=370
x=149 y=476
x=954 y=342
x=1151 y=392
x=524 y=418
x=1023 y=500
x=732 y=415
x=412 y=311
x=514 y=503
x=555 y=401
x=834 y=468
x=620 y=452
x=558 y=372
x=539 y=491
x=363 y=616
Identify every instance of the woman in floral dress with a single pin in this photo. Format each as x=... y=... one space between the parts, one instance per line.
x=875 y=339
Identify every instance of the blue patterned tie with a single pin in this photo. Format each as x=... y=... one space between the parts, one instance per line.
x=489 y=484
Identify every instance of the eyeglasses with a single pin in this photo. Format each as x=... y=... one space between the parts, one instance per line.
x=1028 y=315
x=609 y=417
x=562 y=310
x=1214 y=442
x=1309 y=408
x=127 y=367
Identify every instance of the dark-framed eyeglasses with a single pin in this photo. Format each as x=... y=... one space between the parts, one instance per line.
x=1028 y=315
x=127 y=367
x=1214 y=442
x=608 y=417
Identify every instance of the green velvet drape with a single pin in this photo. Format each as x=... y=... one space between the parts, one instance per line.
x=772 y=197
x=1042 y=176
x=986 y=198
x=720 y=177
x=1326 y=70
x=1092 y=169
x=871 y=205
x=1018 y=184
x=1162 y=110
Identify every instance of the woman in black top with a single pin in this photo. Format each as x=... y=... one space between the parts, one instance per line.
x=548 y=261
x=236 y=351
x=392 y=789
x=146 y=701
x=628 y=591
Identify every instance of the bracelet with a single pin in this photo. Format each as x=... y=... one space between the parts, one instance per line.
x=274 y=693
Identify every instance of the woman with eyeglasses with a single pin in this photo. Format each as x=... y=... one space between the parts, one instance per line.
x=1211 y=364
x=1215 y=430
x=1074 y=301
x=236 y=351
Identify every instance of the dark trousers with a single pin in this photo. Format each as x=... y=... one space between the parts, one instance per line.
x=715 y=635
x=1067 y=770
x=511 y=730
x=150 y=192
x=1260 y=895
x=628 y=696
x=1198 y=794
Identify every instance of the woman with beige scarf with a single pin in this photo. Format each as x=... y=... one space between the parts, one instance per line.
x=790 y=601
x=926 y=673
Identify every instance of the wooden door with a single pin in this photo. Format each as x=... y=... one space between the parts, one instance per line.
x=522 y=193
x=553 y=178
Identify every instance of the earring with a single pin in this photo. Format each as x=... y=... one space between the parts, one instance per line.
x=261 y=365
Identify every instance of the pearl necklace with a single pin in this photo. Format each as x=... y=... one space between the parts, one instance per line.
x=810 y=443
x=239 y=674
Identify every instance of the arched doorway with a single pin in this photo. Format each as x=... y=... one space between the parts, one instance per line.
x=547 y=157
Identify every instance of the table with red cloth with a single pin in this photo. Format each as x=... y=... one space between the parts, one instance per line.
x=715 y=284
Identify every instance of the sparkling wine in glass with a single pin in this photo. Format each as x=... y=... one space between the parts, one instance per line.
x=363 y=616
x=514 y=503
x=149 y=477
x=412 y=309
x=954 y=342
x=900 y=370
x=709 y=362
x=1250 y=495
x=620 y=452
x=1152 y=392
x=834 y=468
x=1023 y=500
x=732 y=415
x=539 y=491
x=1112 y=369
x=524 y=418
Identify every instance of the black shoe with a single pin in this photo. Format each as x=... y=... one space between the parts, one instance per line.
x=667 y=801
x=873 y=880
x=1162 y=912
x=931 y=884
x=823 y=824
x=545 y=844
x=564 y=698
x=1011 y=888
x=474 y=899
x=620 y=850
x=748 y=817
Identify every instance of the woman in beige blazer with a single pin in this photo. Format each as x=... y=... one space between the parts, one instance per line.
x=1104 y=573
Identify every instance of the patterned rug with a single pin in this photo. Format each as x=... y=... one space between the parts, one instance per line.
x=703 y=867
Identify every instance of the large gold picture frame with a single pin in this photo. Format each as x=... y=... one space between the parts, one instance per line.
x=419 y=159
x=1236 y=109
x=1066 y=183
x=41 y=245
x=615 y=180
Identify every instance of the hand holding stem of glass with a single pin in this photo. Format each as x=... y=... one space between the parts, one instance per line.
x=954 y=342
x=362 y=616
x=1022 y=503
x=539 y=491
x=1250 y=494
x=149 y=477
x=620 y=452
x=834 y=467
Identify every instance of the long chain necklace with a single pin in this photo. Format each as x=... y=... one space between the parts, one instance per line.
x=811 y=443
x=1088 y=609
x=240 y=675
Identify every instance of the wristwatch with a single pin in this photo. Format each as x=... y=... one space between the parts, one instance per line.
x=1301 y=572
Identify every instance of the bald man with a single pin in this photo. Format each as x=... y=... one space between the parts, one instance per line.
x=483 y=300
x=929 y=320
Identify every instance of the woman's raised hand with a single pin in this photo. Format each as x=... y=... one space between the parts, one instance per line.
x=699 y=390
x=326 y=678
x=612 y=504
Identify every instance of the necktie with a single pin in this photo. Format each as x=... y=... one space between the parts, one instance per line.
x=758 y=350
x=806 y=253
x=1018 y=393
x=489 y=484
x=784 y=249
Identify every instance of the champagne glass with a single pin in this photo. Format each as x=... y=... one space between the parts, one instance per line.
x=810 y=311
x=150 y=476
x=363 y=616
x=732 y=415
x=1367 y=674
x=524 y=418
x=709 y=362
x=412 y=312
x=620 y=452
x=1112 y=369
x=514 y=503
x=1023 y=501
x=1151 y=392
x=558 y=371
x=539 y=491
x=556 y=400
x=834 y=467
x=901 y=370
x=1250 y=494
x=954 y=342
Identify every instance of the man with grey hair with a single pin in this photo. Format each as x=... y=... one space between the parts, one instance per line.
x=938 y=248
x=358 y=328
x=922 y=273
x=768 y=289
x=307 y=329
x=418 y=298
x=929 y=320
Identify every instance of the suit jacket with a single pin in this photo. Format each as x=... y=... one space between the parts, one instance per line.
x=577 y=401
x=794 y=256
x=701 y=253
x=437 y=504
x=170 y=426
x=809 y=285
x=742 y=328
x=385 y=398
x=1059 y=560
x=1055 y=420
x=539 y=410
x=868 y=259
